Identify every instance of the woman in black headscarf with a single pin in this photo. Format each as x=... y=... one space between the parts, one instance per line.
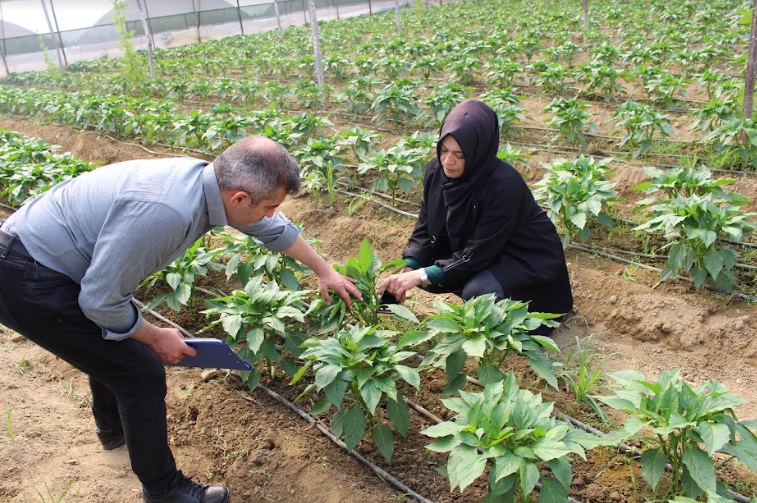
x=479 y=229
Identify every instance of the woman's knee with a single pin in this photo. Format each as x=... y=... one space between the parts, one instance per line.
x=482 y=283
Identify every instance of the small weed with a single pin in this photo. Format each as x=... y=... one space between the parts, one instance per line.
x=582 y=374
x=186 y=393
x=54 y=498
x=24 y=365
x=629 y=273
x=9 y=424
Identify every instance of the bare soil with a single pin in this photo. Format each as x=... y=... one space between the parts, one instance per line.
x=264 y=452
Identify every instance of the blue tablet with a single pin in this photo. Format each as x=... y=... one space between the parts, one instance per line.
x=213 y=353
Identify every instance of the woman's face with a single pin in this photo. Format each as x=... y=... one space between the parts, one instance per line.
x=452 y=158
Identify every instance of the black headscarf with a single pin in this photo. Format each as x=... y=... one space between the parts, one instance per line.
x=475 y=127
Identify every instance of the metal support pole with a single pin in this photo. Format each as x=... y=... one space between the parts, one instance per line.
x=278 y=15
x=317 y=44
x=57 y=29
x=750 y=67
x=2 y=35
x=239 y=15
x=148 y=34
x=52 y=36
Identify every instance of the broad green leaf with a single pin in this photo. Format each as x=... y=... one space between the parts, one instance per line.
x=442 y=429
x=402 y=312
x=506 y=464
x=231 y=324
x=488 y=373
x=382 y=437
x=701 y=468
x=409 y=375
x=562 y=470
x=552 y=491
x=529 y=476
x=353 y=425
x=714 y=436
x=325 y=375
x=653 y=463
x=399 y=414
x=371 y=396
x=464 y=466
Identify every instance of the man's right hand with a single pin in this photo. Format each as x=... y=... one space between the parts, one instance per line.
x=167 y=343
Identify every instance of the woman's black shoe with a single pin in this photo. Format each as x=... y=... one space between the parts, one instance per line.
x=186 y=490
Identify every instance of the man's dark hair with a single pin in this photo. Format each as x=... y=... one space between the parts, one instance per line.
x=258 y=166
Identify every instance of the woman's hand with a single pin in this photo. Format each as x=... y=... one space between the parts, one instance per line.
x=398 y=284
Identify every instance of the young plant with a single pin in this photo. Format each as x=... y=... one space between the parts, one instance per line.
x=642 y=123
x=689 y=425
x=508 y=433
x=487 y=330
x=575 y=192
x=443 y=99
x=181 y=276
x=394 y=170
x=253 y=318
x=685 y=182
x=365 y=269
x=247 y=259
x=693 y=226
x=357 y=371
x=322 y=166
x=739 y=137
x=397 y=101
x=570 y=118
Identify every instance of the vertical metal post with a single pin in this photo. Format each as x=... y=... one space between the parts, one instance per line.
x=239 y=15
x=304 y=12
x=370 y=8
x=317 y=43
x=57 y=29
x=586 y=14
x=52 y=36
x=2 y=35
x=397 y=16
x=197 y=9
x=149 y=39
x=278 y=16
x=147 y=13
x=750 y=67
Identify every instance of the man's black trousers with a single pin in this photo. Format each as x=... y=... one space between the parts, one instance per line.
x=127 y=379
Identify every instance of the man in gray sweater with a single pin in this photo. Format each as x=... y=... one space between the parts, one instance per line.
x=71 y=258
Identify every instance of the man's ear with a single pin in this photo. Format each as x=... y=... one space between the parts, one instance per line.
x=239 y=198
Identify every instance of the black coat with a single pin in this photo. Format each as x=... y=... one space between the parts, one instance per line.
x=503 y=230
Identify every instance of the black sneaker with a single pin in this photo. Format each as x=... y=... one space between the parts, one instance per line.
x=186 y=490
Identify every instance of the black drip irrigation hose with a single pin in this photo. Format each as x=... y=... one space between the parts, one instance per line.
x=378 y=471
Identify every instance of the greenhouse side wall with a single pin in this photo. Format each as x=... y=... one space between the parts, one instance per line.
x=27 y=53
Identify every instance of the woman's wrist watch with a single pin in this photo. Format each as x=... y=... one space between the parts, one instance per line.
x=423 y=277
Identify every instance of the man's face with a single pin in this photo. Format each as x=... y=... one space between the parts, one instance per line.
x=245 y=213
